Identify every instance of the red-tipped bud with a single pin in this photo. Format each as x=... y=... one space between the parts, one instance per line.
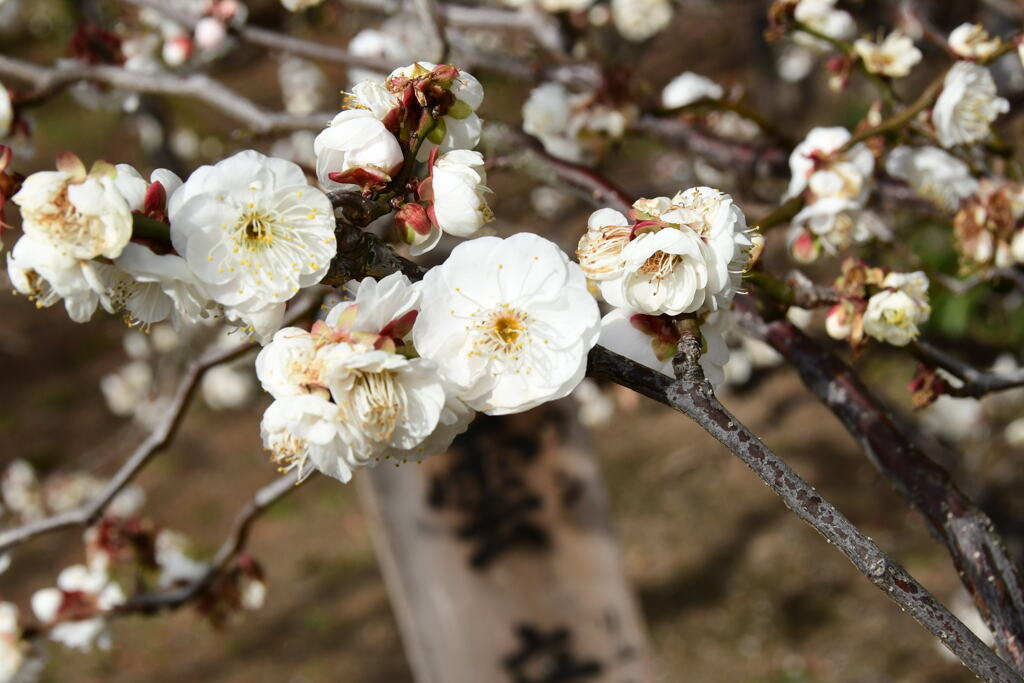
x=401 y=326
x=155 y=202
x=805 y=248
x=413 y=223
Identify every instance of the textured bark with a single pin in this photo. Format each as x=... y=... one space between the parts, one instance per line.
x=985 y=566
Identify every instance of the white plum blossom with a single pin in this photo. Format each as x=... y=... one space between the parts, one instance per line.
x=967 y=105
x=74 y=609
x=893 y=314
x=571 y=126
x=254 y=232
x=81 y=216
x=456 y=191
x=177 y=569
x=20 y=491
x=834 y=223
x=687 y=88
x=133 y=187
x=386 y=46
x=934 y=174
x=308 y=430
x=638 y=20
x=817 y=165
x=356 y=149
x=47 y=275
x=823 y=17
x=972 y=41
x=347 y=395
x=6 y=112
x=836 y=186
x=160 y=287
x=893 y=57
x=685 y=254
x=509 y=322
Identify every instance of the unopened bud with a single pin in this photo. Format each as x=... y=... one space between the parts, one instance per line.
x=413 y=223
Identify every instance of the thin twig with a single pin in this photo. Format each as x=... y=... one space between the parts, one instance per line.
x=163 y=434
x=48 y=81
x=238 y=537
x=975 y=382
x=986 y=568
x=91 y=510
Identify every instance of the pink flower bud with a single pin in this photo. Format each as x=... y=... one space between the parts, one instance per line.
x=413 y=223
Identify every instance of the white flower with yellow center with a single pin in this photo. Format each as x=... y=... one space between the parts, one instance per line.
x=306 y=433
x=47 y=275
x=80 y=215
x=352 y=392
x=508 y=322
x=967 y=105
x=835 y=223
x=685 y=254
x=934 y=174
x=254 y=232
x=893 y=315
x=972 y=41
x=894 y=57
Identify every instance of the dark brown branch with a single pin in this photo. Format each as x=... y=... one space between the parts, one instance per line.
x=692 y=396
x=985 y=566
x=975 y=382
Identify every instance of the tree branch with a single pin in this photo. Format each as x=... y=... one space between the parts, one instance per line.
x=976 y=382
x=48 y=81
x=986 y=568
x=238 y=537
x=691 y=395
x=163 y=434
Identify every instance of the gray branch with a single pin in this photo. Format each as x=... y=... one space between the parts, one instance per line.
x=48 y=81
x=691 y=395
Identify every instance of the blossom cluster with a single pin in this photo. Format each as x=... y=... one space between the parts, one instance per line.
x=888 y=307
x=679 y=256
x=397 y=371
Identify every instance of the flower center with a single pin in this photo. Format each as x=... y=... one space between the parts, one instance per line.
x=379 y=401
x=257 y=228
x=503 y=331
x=659 y=265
